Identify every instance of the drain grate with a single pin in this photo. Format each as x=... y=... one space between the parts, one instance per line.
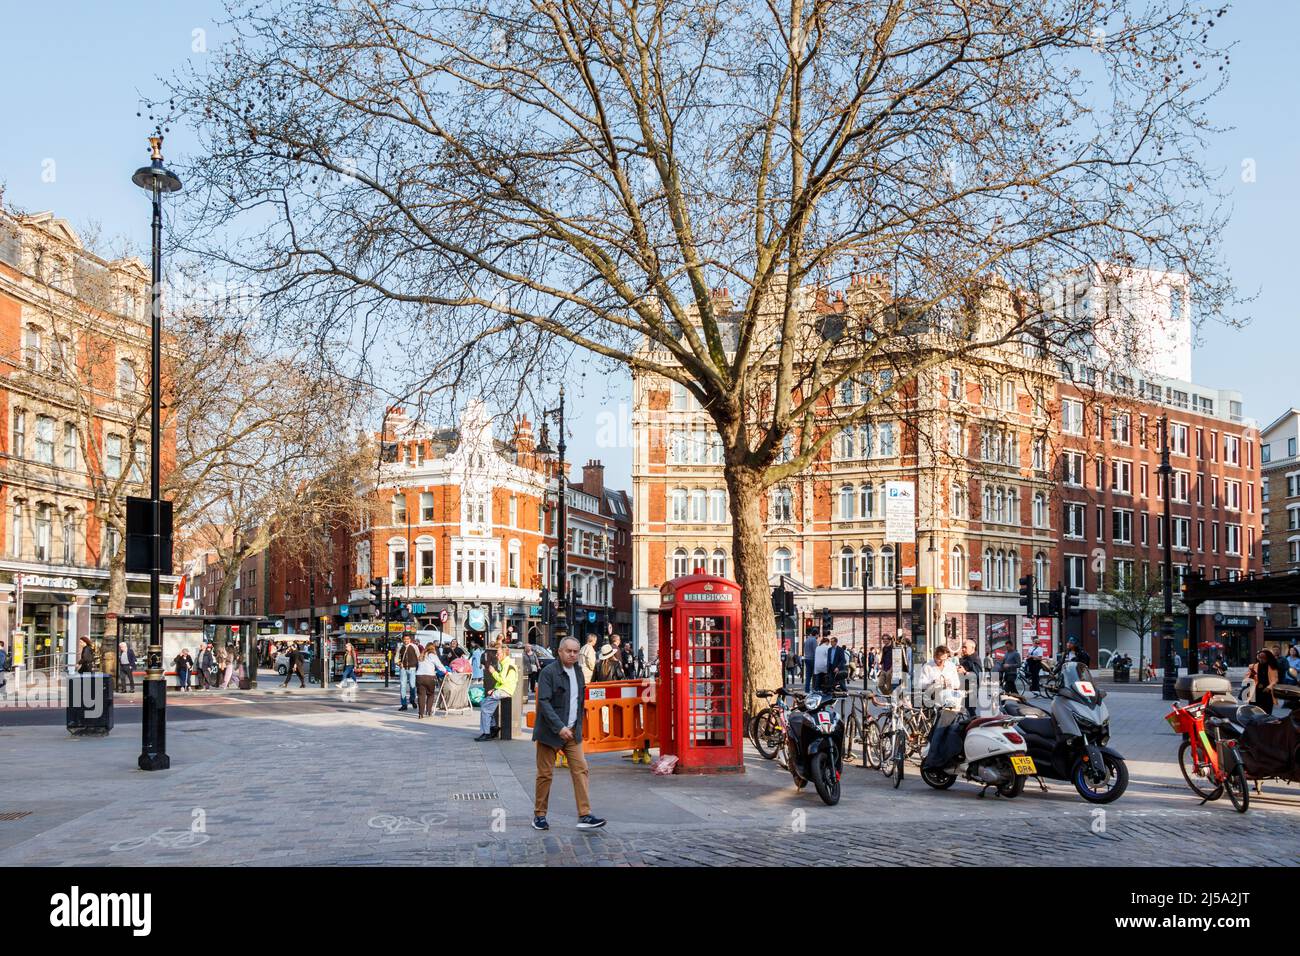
x=476 y=795
x=14 y=814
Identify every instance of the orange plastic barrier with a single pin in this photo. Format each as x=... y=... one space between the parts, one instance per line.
x=616 y=716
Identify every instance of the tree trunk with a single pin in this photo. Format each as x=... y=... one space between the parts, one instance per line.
x=762 y=653
x=117 y=581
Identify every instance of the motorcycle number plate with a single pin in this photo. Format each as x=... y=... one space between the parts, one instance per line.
x=1024 y=766
x=823 y=717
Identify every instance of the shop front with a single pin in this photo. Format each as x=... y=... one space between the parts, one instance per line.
x=1233 y=637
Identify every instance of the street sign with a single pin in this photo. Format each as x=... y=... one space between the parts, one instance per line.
x=343 y=610
x=900 y=512
x=443 y=615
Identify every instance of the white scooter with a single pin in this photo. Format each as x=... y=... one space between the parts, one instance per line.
x=984 y=750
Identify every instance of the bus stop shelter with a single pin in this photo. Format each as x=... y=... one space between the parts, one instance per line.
x=235 y=631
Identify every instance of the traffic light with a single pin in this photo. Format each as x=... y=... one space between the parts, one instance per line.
x=778 y=601
x=1028 y=600
x=1071 y=600
x=828 y=622
x=377 y=591
x=395 y=609
x=789 y=603
x=1054 y=603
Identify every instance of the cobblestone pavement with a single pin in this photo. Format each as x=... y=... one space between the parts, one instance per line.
x=294 y=783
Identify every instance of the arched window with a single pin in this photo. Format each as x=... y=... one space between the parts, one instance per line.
x=1013 y=573
x=866 y=501
x=846 y=502
x=846 y=392
x=868 y=568
x=999 y=560
x=679 y=500
x=781 y=561
x=699 y=561
x=1013 y=506
x=886 y=566
x=1040 y=510
x=541 y=566
x=718 y=512
x=957 y=568
x=988 y=569
x=847 y=568
x=867 y=439
x=987 y=514
x=998 y=513
x=699 y=505
x=1040 y=569
x=718 y=563
x=680 y=568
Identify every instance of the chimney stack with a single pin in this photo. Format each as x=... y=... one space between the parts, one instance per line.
x=593 y=478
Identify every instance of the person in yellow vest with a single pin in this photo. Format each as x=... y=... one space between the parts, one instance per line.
x=501 y=671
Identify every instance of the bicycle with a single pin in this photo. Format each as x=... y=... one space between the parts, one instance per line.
x=855 y=728
x=768 y=729
x=888 y=743
x=1216 y=764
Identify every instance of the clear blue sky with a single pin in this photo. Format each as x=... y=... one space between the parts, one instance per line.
x=74 y=72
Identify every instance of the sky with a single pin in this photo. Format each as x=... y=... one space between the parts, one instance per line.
x=76 y=72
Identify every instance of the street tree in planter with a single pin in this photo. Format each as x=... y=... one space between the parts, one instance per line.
x=494 y=184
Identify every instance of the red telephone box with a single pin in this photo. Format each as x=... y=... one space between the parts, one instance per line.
x=700 y=676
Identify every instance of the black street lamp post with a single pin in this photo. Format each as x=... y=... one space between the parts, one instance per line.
x=560 y=631
x=155 y=179
x=1168 y=689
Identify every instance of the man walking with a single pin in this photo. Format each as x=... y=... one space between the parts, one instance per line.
x=970 y=668
x=408 y=661
x=294 y=666
x=809 y=660
x=559 y=729
x=501 y=671
x=1010 y=664
x=126 y=665
x=589 y=658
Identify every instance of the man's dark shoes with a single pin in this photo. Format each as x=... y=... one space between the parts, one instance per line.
x=482 y=737
x=589 y=822
x=539 y=823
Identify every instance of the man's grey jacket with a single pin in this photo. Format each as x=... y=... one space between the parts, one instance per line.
x=553 y=704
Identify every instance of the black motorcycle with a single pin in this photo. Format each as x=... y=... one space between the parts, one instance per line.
x=1070 y=742
x=814 y=745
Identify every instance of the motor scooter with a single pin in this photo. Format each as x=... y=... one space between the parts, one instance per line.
x=814 y=745
x=986 y=750
x=1070 y=741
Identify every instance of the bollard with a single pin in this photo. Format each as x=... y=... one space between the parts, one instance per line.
x=505 y=724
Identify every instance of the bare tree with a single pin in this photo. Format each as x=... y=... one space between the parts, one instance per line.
x=1134 y=601
x=588 y=172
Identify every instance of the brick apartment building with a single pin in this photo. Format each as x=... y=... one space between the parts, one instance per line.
x=74 y=356
x=464 y=524
x=1018 y=470
x=1280 y=498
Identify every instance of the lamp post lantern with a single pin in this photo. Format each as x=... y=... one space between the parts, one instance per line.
x=155 y=179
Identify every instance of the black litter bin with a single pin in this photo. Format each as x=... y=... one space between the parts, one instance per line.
x=1121 y=673
x=90 y=705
